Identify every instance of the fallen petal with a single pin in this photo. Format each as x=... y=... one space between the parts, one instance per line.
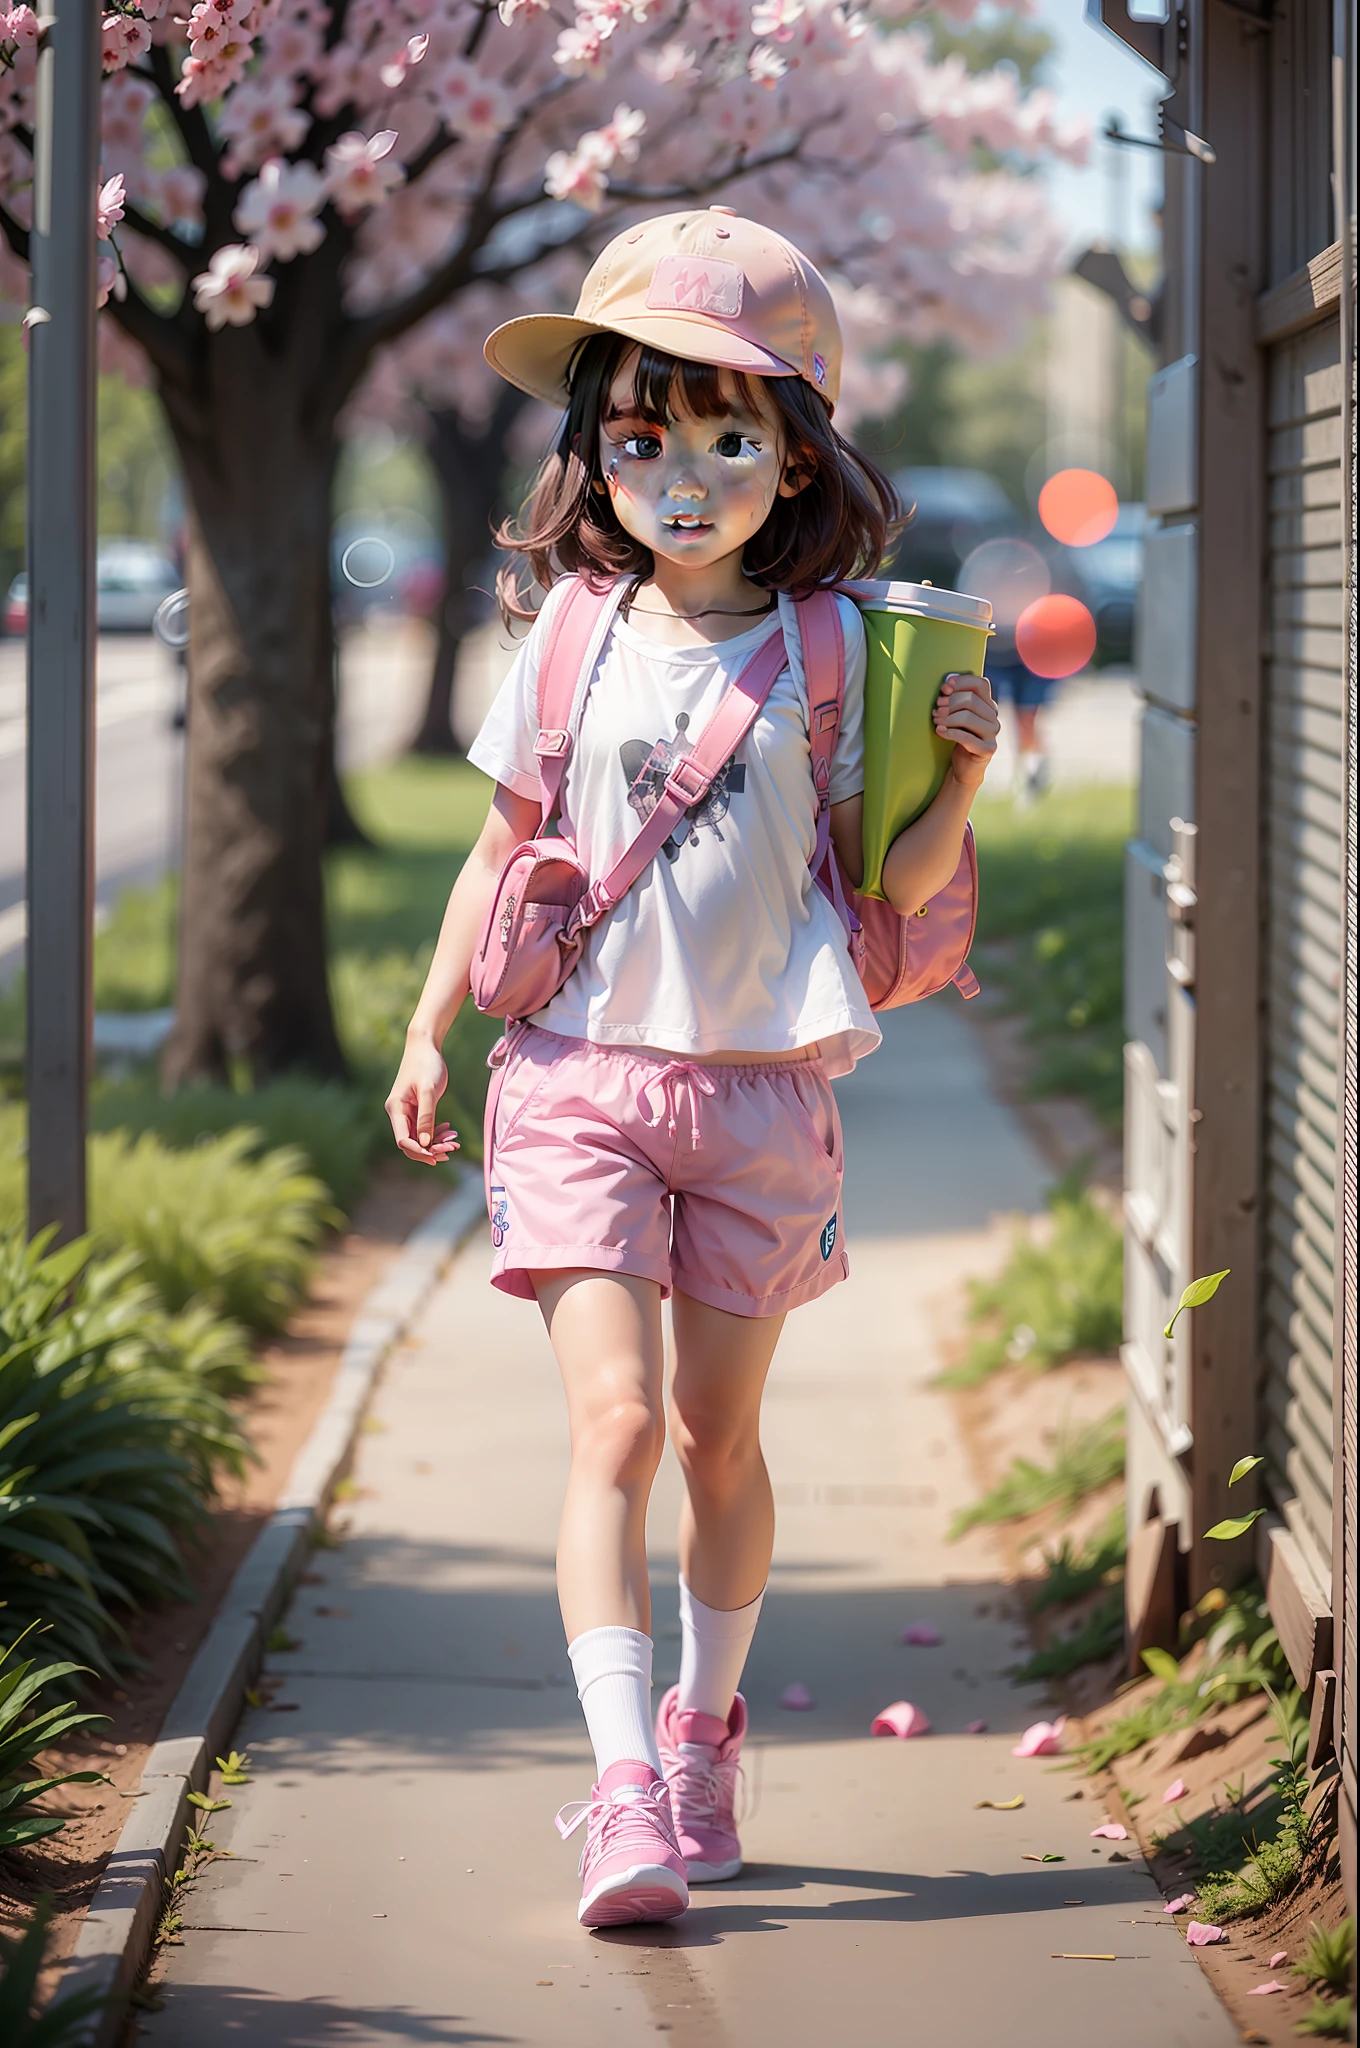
x=1201 y=1936
x=1042 y=1738
x=922 y=1634
x=976 y=1728
x=1264 y=1990
x=1174 y=1791
x=902 y=1719
x=1112 y=1832
x=1281 y=1955
x=797 y=1698
x=1179 y=1905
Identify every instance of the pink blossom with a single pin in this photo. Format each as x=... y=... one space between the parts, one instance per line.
x=395 y=71
x=123 y=39
x=358 y=171
x=672 y=64
x=765 y=66
x=228 y=293
x=776 y=18
x=582 y=175
x=471 y=104
x=1200 y=1935
x=1179 y=1905
x=112 y=198
x=109 y=278
x=1264 y=1990
x=1281 y=1955
x=510 y=10
x=20 y=26
x=1111 y=1831
x=178 y=195
x=261 y=119
x=1174 y=1791
x=278 y=210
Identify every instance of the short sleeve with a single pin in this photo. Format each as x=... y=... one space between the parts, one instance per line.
x=504 y=748
x=847 y=762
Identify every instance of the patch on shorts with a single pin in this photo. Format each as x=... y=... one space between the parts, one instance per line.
x=500 y=1217
x=828 y=1239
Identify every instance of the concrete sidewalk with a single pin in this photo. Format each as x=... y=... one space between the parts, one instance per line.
x=395 y=1874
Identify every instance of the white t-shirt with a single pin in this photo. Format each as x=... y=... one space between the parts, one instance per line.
x=725 y=943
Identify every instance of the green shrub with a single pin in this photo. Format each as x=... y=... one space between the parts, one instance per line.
x=1329 y=2019
x=1098 y=1637
x=333 y=1127
x=62 y=2024
x=111 y=1434
x=1086 y=1456
x=1052 y=1300
x=27 y=1727
x=1329 y=1956
x=222 y=1224
x=1068 y=1574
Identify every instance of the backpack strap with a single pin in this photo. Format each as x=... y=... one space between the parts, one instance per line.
x=822 y=638
x=573 y=626
x=689 y=779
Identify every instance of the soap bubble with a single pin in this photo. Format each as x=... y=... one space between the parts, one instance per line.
x=368 y=561
x=1078 y=507
x=170 y=621
x=1010 y=574
x=1055 y=636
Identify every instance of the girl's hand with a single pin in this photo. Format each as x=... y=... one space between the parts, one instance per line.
x=964 y=713
x=421 y=1079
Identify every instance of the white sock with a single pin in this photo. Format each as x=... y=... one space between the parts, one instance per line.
x=613 y=1668
x=713 y=1649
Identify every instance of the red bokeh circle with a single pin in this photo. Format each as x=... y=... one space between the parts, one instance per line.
x=1078 y=507
x=1055 y=636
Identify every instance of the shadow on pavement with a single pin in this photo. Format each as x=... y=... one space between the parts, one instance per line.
x=199 y=2011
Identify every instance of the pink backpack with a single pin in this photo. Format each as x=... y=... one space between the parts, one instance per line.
x=545 y=902
x=900 y=959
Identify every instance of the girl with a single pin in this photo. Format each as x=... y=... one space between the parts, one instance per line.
x=665 y=1126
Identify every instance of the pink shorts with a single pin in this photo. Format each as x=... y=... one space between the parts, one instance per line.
x=723 y=1181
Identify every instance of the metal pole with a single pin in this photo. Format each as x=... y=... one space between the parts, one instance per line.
x=61 y=613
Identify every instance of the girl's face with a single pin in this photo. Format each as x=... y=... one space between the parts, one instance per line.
x=696 y=490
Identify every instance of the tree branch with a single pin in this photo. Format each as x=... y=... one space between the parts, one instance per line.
x=162 y=336
x=185 y=254
x=193 y=129
x=15 y=234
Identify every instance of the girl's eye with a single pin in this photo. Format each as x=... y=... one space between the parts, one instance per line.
x=733 y=445
x=643 y=447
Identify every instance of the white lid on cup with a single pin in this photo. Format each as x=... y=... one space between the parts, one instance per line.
x=923 y=600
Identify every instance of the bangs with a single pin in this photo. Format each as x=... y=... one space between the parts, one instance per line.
x=667 y=387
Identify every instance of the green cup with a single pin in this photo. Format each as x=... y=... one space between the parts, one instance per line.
x=917 y=636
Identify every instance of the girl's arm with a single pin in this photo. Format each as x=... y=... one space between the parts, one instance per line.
x=422 y=1076
x=924 y=857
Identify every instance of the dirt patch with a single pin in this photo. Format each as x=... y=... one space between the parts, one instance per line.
x=1065 y=1129
x=278 y=1415
x=1222 y=1762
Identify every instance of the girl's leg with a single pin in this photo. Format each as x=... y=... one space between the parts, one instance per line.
x=727 y=1521
x=606 y=1332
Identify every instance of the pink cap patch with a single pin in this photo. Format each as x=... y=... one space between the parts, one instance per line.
x=698 y=284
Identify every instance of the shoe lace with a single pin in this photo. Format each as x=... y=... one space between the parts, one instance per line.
x=700 y=1787
x=607 y=1817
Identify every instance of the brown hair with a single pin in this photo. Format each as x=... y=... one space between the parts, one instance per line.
x=838 y=525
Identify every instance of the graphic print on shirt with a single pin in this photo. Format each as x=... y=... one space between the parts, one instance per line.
x=646 y=765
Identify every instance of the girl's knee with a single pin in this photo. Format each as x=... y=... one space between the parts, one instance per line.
x=716 y=1450
x=622 y=1441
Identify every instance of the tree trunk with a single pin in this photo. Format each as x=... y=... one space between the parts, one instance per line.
x=252 y=982
x=470 y=466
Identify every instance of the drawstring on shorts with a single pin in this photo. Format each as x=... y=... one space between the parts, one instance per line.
x=677 y=1074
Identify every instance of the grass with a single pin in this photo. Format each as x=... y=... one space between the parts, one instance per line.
x=1050 y=933
x=1237 y=1887
x=1329 y=1957
x=28 y=1725
x=384 y=906
x=1098 y=1637
x=1241 y=1655
x=1054 y=1299
x=1329 y=2019
x=1070 y=1574
x=1086 y=1456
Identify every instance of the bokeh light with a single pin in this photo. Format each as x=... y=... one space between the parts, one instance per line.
x=1078 y=507
x=170 y=621
x=367 y=562
x=1055 y=636
x=1010 y=574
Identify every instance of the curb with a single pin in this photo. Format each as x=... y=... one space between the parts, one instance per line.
x=117 y=1931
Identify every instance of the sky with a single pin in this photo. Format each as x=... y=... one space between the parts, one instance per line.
x=1092 y=74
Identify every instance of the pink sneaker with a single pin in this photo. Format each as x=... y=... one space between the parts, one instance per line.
x=631 y=1866
x=701 y=1757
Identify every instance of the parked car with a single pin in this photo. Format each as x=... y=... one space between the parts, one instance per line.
x=952 y=511
x=1107 y=577
x=131 y=578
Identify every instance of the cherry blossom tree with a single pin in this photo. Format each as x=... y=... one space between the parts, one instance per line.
x=304 y=184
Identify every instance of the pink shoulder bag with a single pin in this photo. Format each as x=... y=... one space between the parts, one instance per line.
x=545 y=902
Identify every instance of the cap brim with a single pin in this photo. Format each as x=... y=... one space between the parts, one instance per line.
x=533 y=352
